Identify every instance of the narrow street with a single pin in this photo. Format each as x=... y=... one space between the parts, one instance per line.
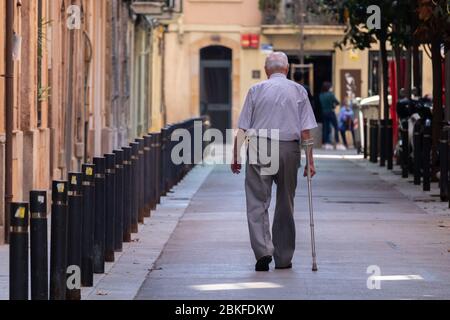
x=361 y=221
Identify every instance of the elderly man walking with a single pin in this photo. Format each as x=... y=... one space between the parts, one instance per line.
x=282 y=105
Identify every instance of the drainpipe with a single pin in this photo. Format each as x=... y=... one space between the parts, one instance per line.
x=163 y=78
x=68 y=125
x=9 y=108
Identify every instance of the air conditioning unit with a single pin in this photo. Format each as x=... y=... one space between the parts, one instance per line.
x=148 y=7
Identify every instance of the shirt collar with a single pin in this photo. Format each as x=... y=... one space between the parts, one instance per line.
x=278 y=75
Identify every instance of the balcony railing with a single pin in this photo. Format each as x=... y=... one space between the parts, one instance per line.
x=316 y=12
x=157 y=7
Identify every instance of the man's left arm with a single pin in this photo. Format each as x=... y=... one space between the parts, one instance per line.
x=306 y=135
x=307 y=123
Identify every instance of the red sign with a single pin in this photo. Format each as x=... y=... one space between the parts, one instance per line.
x=250 y=41
x=254 y=41
x=245 y=41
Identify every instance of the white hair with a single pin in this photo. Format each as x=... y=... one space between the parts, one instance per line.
x=277 y=61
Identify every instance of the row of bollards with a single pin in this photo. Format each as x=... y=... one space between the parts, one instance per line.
x=92 y=214
x=415 y=152
x=414 y=148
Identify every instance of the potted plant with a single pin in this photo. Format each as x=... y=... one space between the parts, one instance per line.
x=269 y=9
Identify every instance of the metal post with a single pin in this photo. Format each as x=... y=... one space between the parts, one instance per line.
x=443 y=153
x=127 y=195
x=389 y=144
x=134 y=187
x=163 y=162
x=157 y=168
x=140 y=179
x=365 y=139
x=383 y=141
x=39 y=245
x=18 y=252
x=58 y=245
x=87 y=257
x=119 y=198
x=75 y=208
x=148 y=175
x=110 y=198
x=448 y=157
x=373 y=141
x=99 y=225
x=417 y=140
x=405 y=149
x=426 y=156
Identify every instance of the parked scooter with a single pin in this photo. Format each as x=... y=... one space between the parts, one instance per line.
x=413 y=115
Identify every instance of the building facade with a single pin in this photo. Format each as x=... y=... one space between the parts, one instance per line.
x=91 y=75
x=87 y=80
x=215 y=50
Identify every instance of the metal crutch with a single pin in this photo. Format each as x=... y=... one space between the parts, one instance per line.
x=308 y=145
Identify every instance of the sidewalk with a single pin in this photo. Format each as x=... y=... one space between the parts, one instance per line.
x=362 y=220
x=124 y=277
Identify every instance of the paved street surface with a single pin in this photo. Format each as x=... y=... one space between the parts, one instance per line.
x=365 y=216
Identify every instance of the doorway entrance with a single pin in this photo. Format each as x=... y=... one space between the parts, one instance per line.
x=216 y=86
x=322 y=68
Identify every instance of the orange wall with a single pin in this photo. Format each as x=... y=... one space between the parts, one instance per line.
x=222 y=12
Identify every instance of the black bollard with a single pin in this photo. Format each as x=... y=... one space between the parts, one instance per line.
x=417 y=140
x=426 y=156
x=405 y=149
x=390 y=145
x=110 y=198
x=58 y=244
x=140 y=179
x=443 y=154
x=155 y=168
x=383 y=142
x=365 y=139
x=134 y=196
x=443 y=160
x=373 y=141
x=127 y=195
x=448 y=157
x=148 y=175
x=119 y=198
x=18 y=251
x=39 y=245
x=99 y=225
x=164 y=162
x=75 y=216
x=87 y=242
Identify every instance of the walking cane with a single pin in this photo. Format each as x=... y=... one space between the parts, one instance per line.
x=308 y=145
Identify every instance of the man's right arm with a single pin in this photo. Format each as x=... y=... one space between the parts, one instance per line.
x=243 y=125
x=239 y=140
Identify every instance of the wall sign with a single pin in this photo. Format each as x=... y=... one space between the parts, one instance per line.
x=350 y=84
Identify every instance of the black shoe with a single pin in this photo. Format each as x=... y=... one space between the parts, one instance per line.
x=263 y=264
x=284 y=268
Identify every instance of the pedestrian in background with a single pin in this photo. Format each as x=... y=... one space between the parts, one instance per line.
x=328 y=104
x=347 y=122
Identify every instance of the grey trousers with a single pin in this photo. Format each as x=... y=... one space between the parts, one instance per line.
x=258 y=187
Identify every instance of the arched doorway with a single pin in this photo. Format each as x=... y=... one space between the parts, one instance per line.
x=216 y=86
